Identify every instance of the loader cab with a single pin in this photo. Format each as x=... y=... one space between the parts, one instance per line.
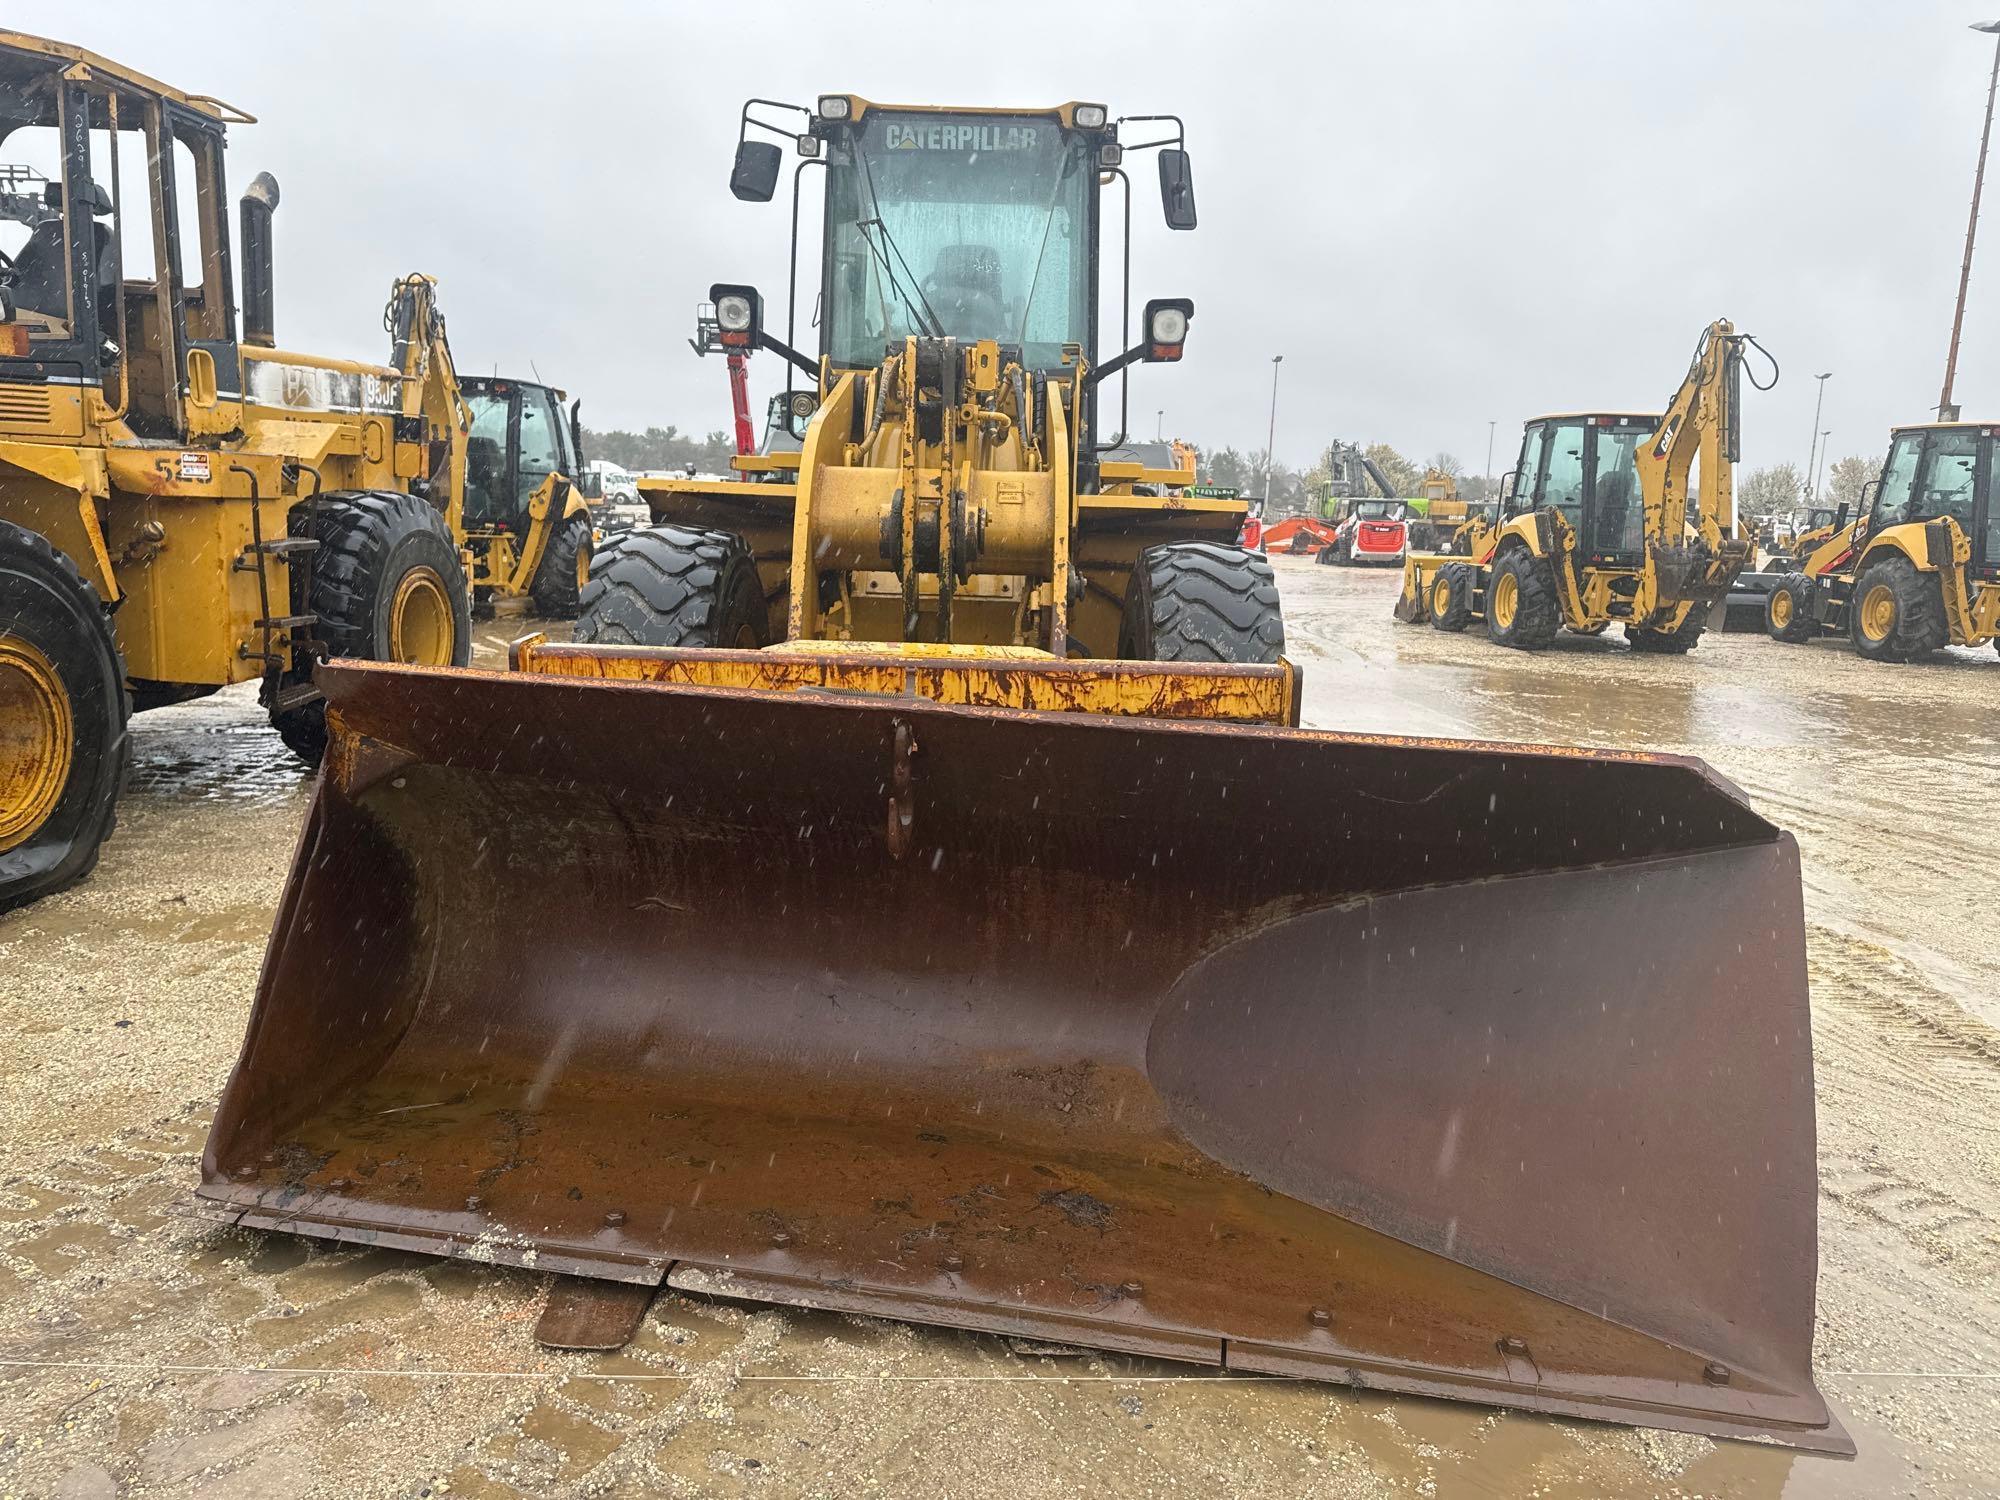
x=1584 y=466
x=114 y=251
x=1939 y=470
x=520 y=438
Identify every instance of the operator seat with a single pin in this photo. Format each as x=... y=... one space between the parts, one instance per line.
x=964 y=290
x=39 y=281
x=485 y=474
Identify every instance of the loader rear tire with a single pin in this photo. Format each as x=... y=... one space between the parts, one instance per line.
x=565 y=570
x=1522 y=610
x=1788 y=615
x=1896 y=612
x=63 y=713
x=387 y=585
x=1451 y=597
x=1202 y=601
x=674 y=586
x=1677 y=642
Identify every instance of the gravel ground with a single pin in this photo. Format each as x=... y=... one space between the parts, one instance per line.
x=143 y=1353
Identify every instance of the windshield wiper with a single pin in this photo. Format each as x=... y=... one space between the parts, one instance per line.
x=927 y=319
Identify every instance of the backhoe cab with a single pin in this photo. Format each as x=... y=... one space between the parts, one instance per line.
x=1598 y=524
x=182 y=504
x=1920 y=567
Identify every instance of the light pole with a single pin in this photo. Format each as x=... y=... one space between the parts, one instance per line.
x=1271 y=436
x=1947 y=412
x=1495 y=422
x=1822 y=460
x=1810 y=452
x=1159 y=425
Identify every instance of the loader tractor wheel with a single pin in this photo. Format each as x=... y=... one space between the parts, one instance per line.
x=1522 y=610
x=387 y=585
x=1896 y=612
x=565 y=570
x=1788 y=612
x=63 y=711
x=1328 y=555
x=674 y=586
x=1451 y=597
x=1676 y=642
x=1202 y=601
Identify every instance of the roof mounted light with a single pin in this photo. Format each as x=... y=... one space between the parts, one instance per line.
x=1090 y=116
x=809 y=145
x=835 y=106
x=1110 y=154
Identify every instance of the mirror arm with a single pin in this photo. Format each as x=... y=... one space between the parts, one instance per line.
x=1113 y=366
x=786 y=352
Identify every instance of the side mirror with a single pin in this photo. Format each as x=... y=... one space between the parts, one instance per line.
x=739 y=312
x=1177 y=189
x=754 y=177
x=259 y=302
x=576 y=434
x=1167 y=320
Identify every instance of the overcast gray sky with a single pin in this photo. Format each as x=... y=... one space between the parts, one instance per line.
x=1440 y=213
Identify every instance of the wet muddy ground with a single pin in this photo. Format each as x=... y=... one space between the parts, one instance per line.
x=143 y=1353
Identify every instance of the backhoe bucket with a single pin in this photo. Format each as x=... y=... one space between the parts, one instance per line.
x=1494 y=1082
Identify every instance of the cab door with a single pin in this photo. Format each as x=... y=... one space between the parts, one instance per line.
x=540 y=448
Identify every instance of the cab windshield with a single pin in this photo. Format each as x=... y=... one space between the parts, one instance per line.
x=976 y=227
x=1380 y=510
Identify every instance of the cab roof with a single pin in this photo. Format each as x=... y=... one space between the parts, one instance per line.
x=104 y=67
x=1066 y=112
x=1651 y=417
x=1937 y=426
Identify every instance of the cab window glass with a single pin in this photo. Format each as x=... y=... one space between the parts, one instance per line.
x=1892 y=500
x=1619 y=517
x=1563 y=487
x=540 y=454
x=1523 y=497
x=1948 y=477
x=486 y=457
x=196 y=193
x=31 y=230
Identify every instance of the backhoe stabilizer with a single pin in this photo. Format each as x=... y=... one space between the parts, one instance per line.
x=1056 y=1024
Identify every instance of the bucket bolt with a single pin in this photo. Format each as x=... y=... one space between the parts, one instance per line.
x=474 y=1203
x=1715 y=1372
x=1321 y=1318
x=781 y=1239
x=953 y=1262
x=1132 y=1288
x=613 y=1219
x=1512 y=1344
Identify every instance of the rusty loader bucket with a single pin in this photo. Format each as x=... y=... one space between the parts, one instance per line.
x=1494 y=1082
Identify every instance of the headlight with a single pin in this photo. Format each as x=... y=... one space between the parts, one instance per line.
x=809 y=145
x=835 y=106
x=804 y=404
x=1110 y=154
x=732 y=313
x=1170 y=326
x=1090 y=116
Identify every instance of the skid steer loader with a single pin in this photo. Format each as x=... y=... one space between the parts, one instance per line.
x=1597 y=525
x=184 y=506
x=940 y=941
x=1919 y=568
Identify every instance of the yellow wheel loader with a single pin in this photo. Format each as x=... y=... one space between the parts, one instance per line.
x=1920 y=567
x=940 y=940
x=1597 y=525
x=184 y=506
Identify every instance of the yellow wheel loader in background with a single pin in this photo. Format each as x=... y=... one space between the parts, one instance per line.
x=1920 y=567
x=183 y=506
x=1597 y=525
x=941 y=939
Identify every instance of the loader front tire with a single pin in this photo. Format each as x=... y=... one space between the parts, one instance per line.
x=565 y=570
x=63 y=712
x=1202 y=601
x=1522 y=610
x=387 y=585
x=1451 y=597
x=1896 y=612
x=1788 y=615
x=674 y=586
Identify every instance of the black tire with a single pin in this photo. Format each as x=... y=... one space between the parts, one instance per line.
x=1911 y=621
x=62 y=684
x=559 y=581
x=1788 y=613
x=1452 y=611
x=1536 y=614
x=674 y=586
x=1677 y=642
x=387 y=585
x=1202 y=601
x=1327 y=555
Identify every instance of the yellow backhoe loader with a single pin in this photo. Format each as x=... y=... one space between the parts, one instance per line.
x=1597 y=524
x=184 y=506
x=940 y=940
x=1920 y=567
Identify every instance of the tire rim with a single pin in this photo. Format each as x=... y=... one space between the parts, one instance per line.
x=1441 y=596
x=1878 y=612
x=420 y=620
x=37 y=740
x=1781 y=609
x=1506 y=600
